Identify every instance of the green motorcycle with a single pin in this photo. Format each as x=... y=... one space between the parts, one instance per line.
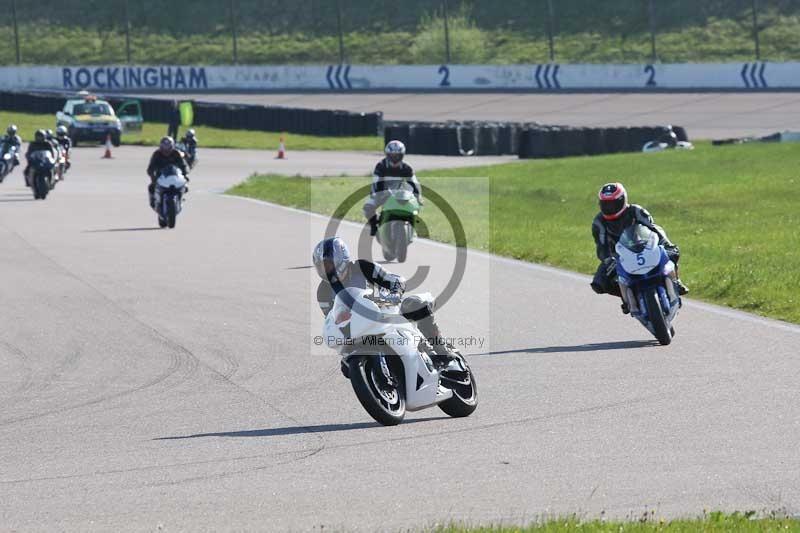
x=396 y=223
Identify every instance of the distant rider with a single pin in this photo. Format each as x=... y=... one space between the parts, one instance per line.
x=338 y=271
x=391 y=167
x=12 y=139
x=189 y=140
x=164 y=156
x=39 y=143
x=615 y=215
x=66 y=143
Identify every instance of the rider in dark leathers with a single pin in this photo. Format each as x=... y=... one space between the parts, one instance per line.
x=338 y=271
x=13 y=139
x=389 y=170
x=165 y=156
x=39 y=143
x=615 y=215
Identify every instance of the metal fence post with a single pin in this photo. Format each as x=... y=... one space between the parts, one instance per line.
x=16 y=29
x=446 y=34
x=339 y=26
x=232 y=7
x=127 y=34
x=550 y=29
x=755 y=30
x=653 y=54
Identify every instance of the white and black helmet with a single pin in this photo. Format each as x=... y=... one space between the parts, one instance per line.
x=61 y=131
x=332 y=259
x=395 y=150
x=166 y=145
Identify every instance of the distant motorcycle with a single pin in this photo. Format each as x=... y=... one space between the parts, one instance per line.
x=397 y=221
x=190 y=151
x=41 y=173
x=646 y=277
x=8 y=159
x=383 y=356
x=169 y=196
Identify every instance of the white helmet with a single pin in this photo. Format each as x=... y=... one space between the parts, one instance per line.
x=395 y=151
x=61 y=131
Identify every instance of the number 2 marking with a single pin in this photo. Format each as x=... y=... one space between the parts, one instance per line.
x=446 y=78
x=651 y=81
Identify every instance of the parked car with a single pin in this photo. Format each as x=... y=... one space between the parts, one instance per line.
x=88 y=118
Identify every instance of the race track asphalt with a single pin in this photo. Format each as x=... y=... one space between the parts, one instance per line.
x=168 y=379
x=704 y=115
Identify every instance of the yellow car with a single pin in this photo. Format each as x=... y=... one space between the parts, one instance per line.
x=89 y=119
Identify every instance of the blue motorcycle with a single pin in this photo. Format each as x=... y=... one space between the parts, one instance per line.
x=646 y=277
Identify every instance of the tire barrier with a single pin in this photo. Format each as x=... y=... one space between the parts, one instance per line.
x=321 y=122
x=528 y=141
x=457 y=137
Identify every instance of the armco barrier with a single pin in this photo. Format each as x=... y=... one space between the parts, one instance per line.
x=226 y=116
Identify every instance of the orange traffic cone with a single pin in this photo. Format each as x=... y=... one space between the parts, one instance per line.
x=107 y=155
x=281 y=150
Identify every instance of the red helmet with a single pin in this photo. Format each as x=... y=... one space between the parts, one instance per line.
x=613 y=200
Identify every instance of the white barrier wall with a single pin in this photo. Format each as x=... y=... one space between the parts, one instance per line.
x=541 y=77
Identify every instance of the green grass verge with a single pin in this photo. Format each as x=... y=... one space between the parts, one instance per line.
x=721 y=38
x=209 y=137
x=712 y=523
x=732 y=210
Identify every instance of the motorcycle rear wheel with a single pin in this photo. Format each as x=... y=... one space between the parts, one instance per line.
x=465 y=395
x=384 y=402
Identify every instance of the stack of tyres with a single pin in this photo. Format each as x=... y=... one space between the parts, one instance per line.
x=488 y=137
x=594 y=140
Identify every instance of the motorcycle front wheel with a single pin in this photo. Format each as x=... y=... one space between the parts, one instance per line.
x=40 y=187
x=656 y=317
x=384 y=401
x=172 y=212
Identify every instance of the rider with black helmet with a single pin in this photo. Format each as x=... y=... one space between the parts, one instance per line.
x=615 y=215
x=164 y=156
x=339 y=271
x=39 y=143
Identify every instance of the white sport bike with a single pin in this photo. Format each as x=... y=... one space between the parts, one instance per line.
x=168 y=195
x=386 y=362
x=647 y=281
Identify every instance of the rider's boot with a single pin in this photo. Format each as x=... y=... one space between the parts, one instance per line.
x=682 y=289
x=151 y=191
x=442 y=351
x=373 y=225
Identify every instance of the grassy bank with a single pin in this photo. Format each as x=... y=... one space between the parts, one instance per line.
x=649 y=523
x=209 y=137
x=716 y=39
x=732 y=210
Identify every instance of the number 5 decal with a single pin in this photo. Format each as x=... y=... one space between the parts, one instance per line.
x=651 y=81
x=446 y=76
x=639 y=259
